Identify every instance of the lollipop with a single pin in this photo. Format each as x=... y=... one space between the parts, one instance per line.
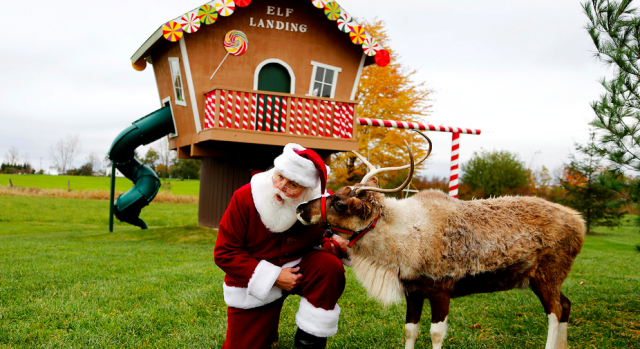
x=190 y=22
x=224 y=7
x=319 y=3
x=208 y=14
x=235 y=42
x=358 y=34
x=172 y=31
x=332 y=10
x=346 y=22
x=370 y=46
x=242 y=3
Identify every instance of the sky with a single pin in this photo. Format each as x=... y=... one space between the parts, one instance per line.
x=521 y=71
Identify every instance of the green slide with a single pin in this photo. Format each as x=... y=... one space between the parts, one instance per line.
x=146 y=183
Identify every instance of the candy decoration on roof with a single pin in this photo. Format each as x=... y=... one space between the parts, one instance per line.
x=224 y=7
x=319 y=3
x=346 y=22
x=382 y=58
x=190 y=22
x=370 y=46
x=208 y=14
x=242 y=3
x=358 y=34
x=172 y=31
x=236 y=42
x=332 y=10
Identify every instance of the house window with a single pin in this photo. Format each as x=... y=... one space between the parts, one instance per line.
x=176 y=79
x=324 y=80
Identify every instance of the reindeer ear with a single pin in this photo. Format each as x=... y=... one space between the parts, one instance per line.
x=372 y=182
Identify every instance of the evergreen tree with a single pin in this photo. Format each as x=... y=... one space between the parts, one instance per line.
x=586 y=192
x=614 y=27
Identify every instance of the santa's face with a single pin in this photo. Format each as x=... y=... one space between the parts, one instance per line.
x=279 y=199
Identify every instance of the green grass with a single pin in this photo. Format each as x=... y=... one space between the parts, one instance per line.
x=66 y=282
x=178 y=187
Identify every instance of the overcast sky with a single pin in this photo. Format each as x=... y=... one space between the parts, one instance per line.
x=521 y=71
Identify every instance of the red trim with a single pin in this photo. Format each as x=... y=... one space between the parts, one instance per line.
x=355 y=235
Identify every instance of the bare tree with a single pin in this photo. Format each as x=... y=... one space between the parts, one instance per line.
x=64 y=152
x=13 y=156
x=96 y=163
x=166 y=155
x=26 y=158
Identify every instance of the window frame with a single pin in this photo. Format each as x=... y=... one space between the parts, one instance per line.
x=334 y=83
x=179 y=73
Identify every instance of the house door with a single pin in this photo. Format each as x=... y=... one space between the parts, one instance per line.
x=272 y=110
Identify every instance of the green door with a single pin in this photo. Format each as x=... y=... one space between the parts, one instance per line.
x=273 y=77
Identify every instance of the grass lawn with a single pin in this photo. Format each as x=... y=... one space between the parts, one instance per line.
x=178 y=187
x=66 y=282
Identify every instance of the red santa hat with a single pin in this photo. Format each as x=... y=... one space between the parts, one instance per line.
x=303 y=166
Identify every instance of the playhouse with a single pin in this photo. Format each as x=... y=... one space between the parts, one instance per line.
x=242 y=79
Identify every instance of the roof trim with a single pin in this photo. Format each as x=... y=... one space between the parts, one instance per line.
x=151 y=42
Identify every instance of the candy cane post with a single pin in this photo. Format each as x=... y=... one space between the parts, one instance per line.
x=455 y=142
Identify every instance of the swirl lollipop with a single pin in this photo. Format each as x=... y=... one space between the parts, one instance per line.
x=236 y=43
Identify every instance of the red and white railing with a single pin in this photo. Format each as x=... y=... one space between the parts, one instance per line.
x=455 y=142
x=278 y=112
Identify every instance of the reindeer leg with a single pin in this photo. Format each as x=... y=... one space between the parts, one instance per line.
x=415 y=302
x=549 y=295
x=561 y=341
x=439 y=311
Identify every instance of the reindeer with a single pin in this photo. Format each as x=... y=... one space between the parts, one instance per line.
x=431 y=246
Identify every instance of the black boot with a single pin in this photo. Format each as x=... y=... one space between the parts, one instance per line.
x=304 y=340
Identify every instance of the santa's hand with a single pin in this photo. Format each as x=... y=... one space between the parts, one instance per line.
x=288 y=279
x=344 y=245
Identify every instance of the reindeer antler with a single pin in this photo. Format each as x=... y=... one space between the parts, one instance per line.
x=402 y=186
x=373 y=170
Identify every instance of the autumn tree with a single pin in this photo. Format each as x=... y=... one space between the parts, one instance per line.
x=585 y=191
x=385 y=93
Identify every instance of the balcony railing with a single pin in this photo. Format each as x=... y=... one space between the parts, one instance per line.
x=279 y=112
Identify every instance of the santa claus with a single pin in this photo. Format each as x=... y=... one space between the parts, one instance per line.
x=267 y=255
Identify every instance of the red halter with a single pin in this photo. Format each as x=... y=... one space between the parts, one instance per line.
x=355 y=235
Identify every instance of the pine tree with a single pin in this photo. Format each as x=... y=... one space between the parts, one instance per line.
x=385 y=93
x=585 y=190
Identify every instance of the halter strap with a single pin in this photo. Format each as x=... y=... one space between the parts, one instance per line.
x=355 y=235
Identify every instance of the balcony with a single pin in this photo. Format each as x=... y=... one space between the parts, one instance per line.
x=258 y=117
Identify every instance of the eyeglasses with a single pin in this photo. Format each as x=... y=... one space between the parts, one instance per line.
x=284 y=184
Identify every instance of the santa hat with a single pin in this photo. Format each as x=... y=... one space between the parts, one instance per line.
x=303 y=166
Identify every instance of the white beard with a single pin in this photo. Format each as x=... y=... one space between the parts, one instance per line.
x=277 y=216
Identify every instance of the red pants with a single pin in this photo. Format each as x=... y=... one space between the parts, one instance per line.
x=322 y=285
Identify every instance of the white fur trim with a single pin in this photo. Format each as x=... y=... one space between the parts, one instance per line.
x=552 y=335
x=237 y=297
x=297 y=168
x=317 y=321
x=561 y=341
x=256 y=182
x=411 y=334
x=262 y=280
x=438 y=332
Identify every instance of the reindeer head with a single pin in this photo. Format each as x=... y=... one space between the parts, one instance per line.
x=354 y=207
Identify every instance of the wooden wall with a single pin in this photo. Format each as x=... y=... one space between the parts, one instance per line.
x=323 y=42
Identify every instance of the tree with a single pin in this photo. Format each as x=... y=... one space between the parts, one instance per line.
x=494 y=173
x=64 y=152
x=385 y=93
x=186 y=169
x=13 y=156
x=166 y=157
x=94 y=163
x=151 y=158
x=614 y=27
x=585 y=191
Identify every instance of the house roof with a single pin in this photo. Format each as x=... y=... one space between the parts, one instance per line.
x=214 y=11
